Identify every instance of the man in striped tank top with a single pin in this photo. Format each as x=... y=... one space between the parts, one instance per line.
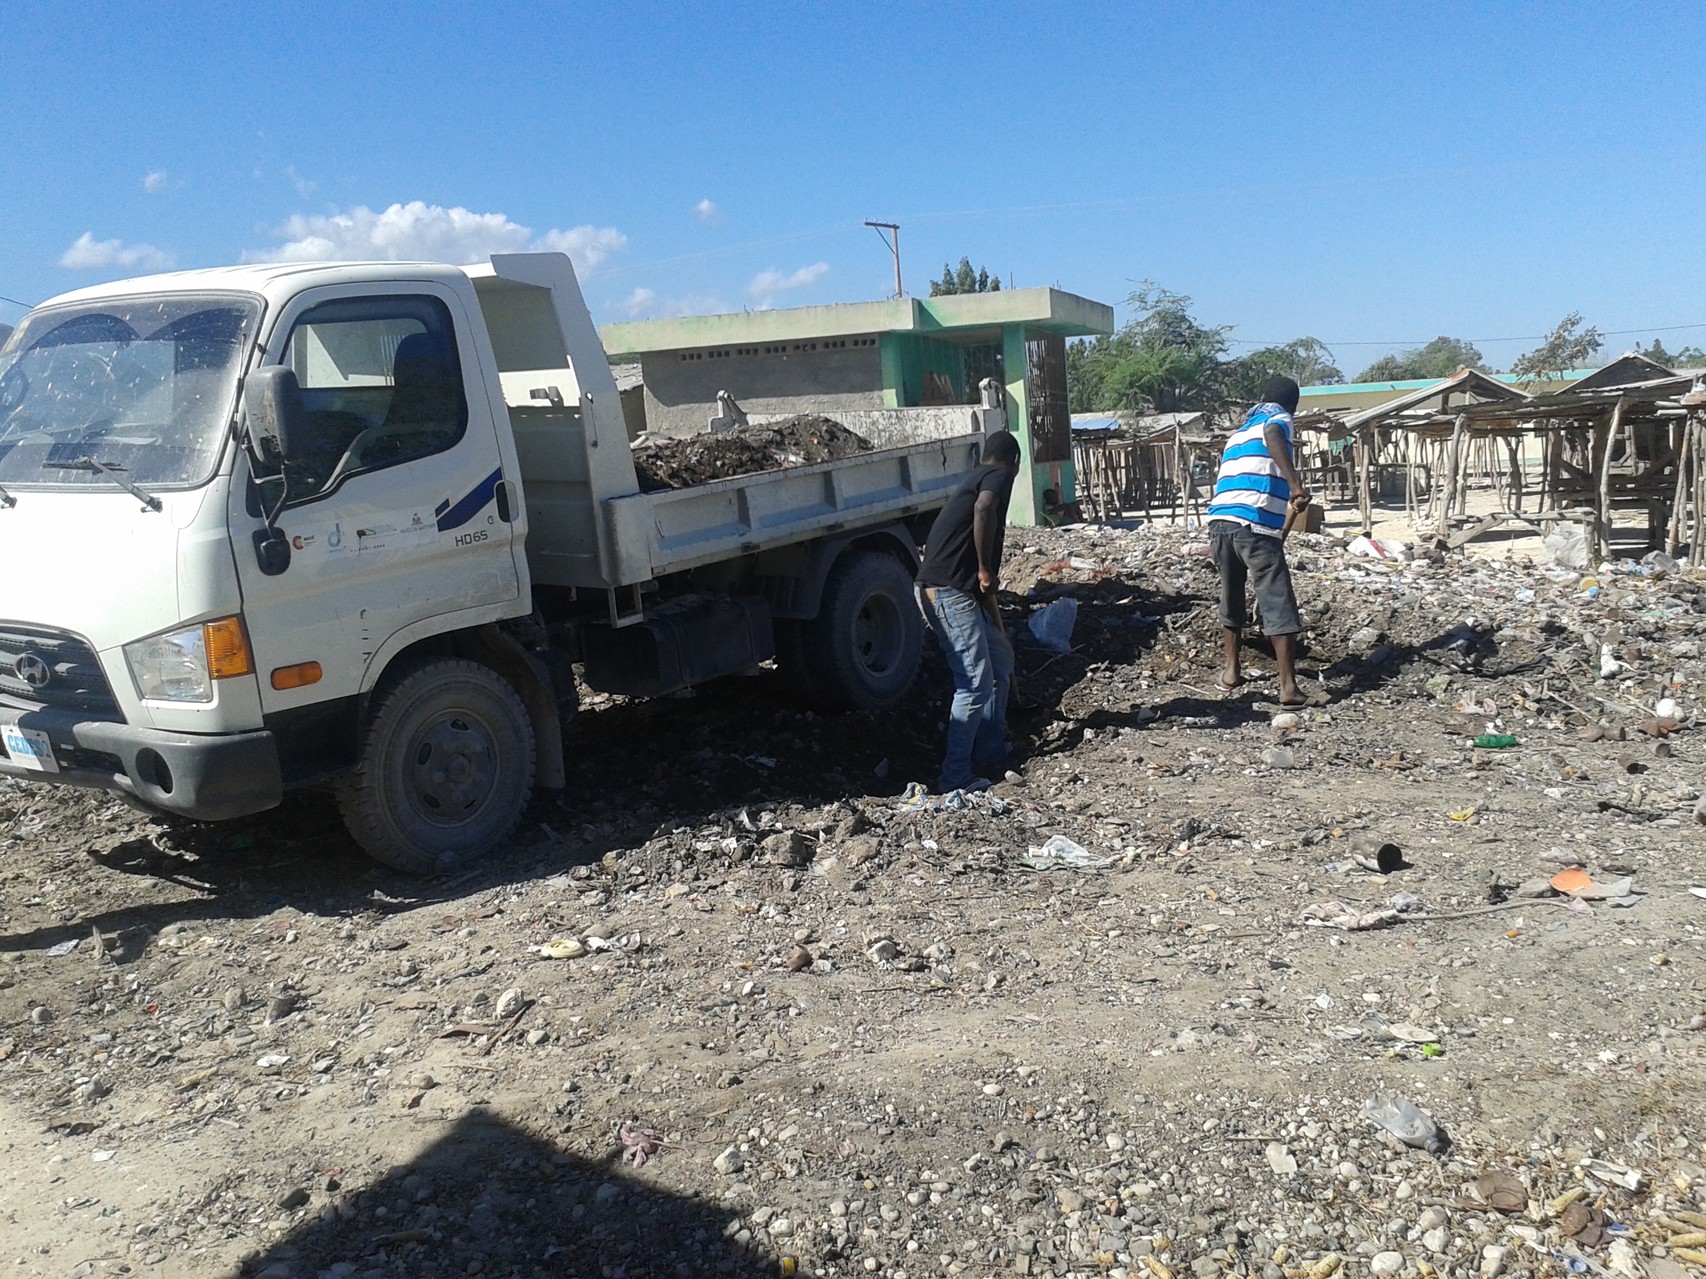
x=1256 y=488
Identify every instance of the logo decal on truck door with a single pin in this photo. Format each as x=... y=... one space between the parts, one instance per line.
x=455 y=515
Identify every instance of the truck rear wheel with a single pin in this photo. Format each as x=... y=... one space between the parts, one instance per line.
x=446 y=768
x=861 y=651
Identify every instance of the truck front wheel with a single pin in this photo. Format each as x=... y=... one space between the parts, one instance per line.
x=446 y=768
x=861 y=651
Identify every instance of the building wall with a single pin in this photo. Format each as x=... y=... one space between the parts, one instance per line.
x=816 y=375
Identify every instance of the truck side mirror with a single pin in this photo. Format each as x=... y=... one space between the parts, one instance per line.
x=273 y=401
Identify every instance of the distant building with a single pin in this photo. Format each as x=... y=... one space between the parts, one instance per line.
x=907 y=353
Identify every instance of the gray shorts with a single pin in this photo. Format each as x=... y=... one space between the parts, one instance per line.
x=1244 y=555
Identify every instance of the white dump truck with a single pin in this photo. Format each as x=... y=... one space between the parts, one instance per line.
x=362 y=525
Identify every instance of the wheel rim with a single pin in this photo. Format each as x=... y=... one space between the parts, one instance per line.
x=879 y=635
x=452 y=769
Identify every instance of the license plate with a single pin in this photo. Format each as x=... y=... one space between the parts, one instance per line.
x=28 y=748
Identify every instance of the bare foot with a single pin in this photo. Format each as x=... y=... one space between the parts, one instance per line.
x=1231 y=682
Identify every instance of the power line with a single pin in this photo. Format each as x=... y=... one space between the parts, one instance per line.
x=1531 y=337
x=15 y=302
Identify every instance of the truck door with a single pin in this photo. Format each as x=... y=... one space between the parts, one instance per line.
x=397 y=511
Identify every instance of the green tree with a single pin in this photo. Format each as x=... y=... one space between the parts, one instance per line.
x=1689 y=357
x=1568 y=346
x=1307 y=361
x=1440 y=358
x=1160 y=361
x=964 y=280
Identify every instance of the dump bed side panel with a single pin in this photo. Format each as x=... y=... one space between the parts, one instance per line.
x=691 y=527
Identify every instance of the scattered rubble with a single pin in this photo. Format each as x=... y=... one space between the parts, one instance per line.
x=737 y=996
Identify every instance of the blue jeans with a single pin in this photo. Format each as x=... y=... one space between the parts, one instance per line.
x=980 y=658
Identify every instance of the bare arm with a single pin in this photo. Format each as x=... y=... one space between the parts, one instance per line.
x=984 y=530
x=1280 y=451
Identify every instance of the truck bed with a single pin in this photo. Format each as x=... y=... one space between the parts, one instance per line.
x=589 y=525
x=685 y=528
x=576 y=539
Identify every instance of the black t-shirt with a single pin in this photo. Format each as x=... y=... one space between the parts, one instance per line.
x=950 y=555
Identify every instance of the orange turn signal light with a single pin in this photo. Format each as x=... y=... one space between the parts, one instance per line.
x=227 y=648
x=299 y=676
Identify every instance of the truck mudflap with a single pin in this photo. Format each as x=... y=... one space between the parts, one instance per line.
x=208 y=778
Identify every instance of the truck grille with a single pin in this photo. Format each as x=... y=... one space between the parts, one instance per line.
x=52 y=668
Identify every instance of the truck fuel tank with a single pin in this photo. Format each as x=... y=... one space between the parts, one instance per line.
x=680 y=644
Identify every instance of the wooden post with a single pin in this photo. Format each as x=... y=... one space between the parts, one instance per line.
x=1365 y=465
x=1697 y=508
x=1459 y=432
x=1179 y=479
x=1602 y=506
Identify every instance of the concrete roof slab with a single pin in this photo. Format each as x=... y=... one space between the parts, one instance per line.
x=965 y=315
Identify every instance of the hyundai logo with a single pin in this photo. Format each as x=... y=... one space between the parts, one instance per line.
x=33 y=669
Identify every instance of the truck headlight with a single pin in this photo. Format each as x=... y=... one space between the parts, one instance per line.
x=181 y=665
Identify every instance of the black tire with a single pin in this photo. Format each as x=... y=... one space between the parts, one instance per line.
x=446 y=768
x=860 y=653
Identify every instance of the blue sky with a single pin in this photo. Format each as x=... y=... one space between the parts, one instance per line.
x=1364 y=174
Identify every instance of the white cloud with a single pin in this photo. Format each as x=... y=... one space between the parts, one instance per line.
x=646 y=304
x=637 y=303
x=707 y=211
x=156 y=181
x=587 y=245
x=304 y=188
x=90 y=254
x=767 y=284
x=421 y=232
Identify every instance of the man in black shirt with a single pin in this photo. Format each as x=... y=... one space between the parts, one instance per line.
x=956 y=588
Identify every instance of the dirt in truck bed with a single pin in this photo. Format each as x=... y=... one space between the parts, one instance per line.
x=737 y=994
x=697 y=459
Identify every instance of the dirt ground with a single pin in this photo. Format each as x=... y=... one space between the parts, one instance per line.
x=796 y=1015
x=801 y=440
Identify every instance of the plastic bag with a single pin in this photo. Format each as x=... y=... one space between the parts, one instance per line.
x=1567 y=545
x=1051 y=625
x=1384 y=549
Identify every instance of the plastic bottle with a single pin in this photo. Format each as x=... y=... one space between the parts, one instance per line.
x=1495 y=741
x=1404 y=1120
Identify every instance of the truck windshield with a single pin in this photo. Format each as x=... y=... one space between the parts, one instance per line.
x=144 y=386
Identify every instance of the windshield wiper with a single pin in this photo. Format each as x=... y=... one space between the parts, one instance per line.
x=113 y=473
x=7 y=500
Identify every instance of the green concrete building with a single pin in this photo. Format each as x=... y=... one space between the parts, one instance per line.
x=905 y=353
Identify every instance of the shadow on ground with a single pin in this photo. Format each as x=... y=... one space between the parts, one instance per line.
x=491 y=1200
x=635 y=770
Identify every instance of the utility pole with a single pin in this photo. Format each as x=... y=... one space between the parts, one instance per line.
x=894 y=248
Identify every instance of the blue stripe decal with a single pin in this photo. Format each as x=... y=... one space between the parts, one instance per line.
x=456 y=516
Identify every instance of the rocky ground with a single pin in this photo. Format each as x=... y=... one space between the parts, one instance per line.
x=735 y=1005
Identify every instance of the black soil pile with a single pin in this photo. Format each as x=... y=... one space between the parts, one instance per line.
x=796 y=441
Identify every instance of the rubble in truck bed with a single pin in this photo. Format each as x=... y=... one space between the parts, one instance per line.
x=738 y=993
x=800 y=440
